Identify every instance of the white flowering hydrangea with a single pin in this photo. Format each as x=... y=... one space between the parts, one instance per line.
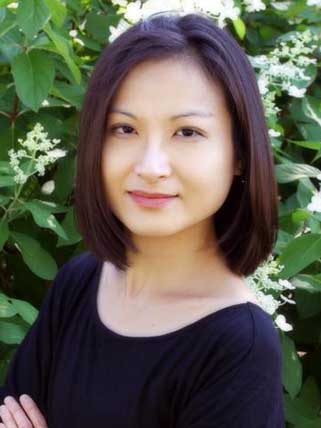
x=219 y=10
x=283 y=66
x=35 y=142
x=262 y=285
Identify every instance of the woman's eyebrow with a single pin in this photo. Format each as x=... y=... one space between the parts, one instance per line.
x=199 y=113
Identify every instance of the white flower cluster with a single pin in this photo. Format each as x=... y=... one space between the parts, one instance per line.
x=220 y=10
x=36 y=141
x=283 y=66
x=316 y=3
x=262 y=285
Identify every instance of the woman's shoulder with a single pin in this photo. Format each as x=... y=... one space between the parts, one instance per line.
x=246 y=333
x=74 y=274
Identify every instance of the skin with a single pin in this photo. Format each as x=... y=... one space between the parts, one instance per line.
x=25 y=414
x=179 y=257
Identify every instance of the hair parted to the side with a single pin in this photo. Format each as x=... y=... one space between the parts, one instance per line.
x=246 y=224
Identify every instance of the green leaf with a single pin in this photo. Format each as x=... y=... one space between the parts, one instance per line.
x=32 y=16
x=298 y=412
x=307 y=295
x=43 y=217
x=293 y=171
x=71 y=229
x=58 y=11
x=4 y=233
x=310 y=394
x=4 y=199
x=6 y=308
x=299 y=215
x=304 y=192
x=239 y=27
x=291 y=366
x=11 y=44
x=312 y=108
x=63 y=48
x=34 y=74
x=313 y=145
x=303 y=411
x=72 y=94
x=39 y=261
x=7 y=24
x=25 y=310
x=98 y=25
x=11 y=333
x=313 y=423
x=5 y=167
x=300 y=253
x=7 y=181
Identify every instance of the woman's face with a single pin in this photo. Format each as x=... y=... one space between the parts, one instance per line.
x=160 y=146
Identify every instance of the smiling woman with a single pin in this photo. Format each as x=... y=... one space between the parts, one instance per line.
x=137 y=128
x=176 y=199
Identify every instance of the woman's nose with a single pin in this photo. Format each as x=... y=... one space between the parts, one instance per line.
x=153 y=164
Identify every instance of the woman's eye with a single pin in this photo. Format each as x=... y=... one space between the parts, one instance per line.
x=190 y=130
x=189 y=133
x=113 y=128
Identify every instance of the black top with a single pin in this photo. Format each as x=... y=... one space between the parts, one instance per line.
x=221 y=371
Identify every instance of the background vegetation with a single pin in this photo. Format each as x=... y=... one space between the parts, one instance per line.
x=47 y=51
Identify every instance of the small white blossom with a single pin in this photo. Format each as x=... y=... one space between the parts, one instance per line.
x=263 y=83
x=48 y=187
x=73 y=33
x=315 y=204
x=189 y=6
x=133 y=11
x=155 y=6
x=79 y=41
x=13 y=5
x=282 y=323
x=51 y=221
x=287 y=300
x=287 y=284
x=297 y=92
x=45 y=103
x=122 y=3
x=274 y=133
x=116 y=31
x=254 y=5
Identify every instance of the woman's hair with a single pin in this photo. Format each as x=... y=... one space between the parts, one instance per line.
x=246 y=224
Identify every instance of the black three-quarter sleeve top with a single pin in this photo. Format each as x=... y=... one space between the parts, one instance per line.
x=220 y=371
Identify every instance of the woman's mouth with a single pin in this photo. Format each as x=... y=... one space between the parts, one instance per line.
x=153 y=202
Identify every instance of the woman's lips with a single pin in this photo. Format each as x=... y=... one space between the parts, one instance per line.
x=151 y=201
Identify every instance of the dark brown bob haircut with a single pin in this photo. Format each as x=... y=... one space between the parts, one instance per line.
x=246 y=224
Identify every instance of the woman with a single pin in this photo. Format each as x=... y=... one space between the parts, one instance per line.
x=154 y=325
